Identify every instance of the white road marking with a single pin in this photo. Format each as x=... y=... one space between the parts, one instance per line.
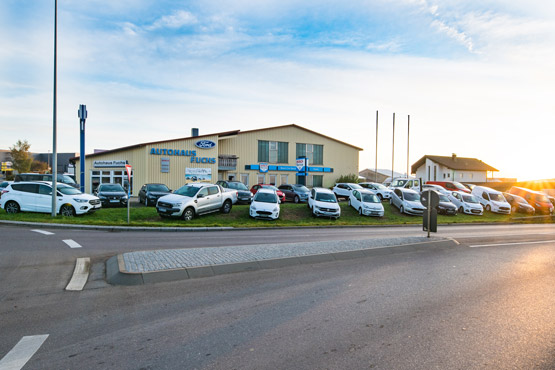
x=80 y=274
x=43 y=232
x=22 y=352
x=72 y=243
x=519 y=243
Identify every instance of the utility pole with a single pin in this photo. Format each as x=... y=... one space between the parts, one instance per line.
x=393 y=150
x=408 y=142
x=82 y=114
x=376 y=166
x=54 y=133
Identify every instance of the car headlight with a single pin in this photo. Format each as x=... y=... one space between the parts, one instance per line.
x=79 y=200
x=276 y=209
x=101 y=196
x=253 y=208
x=124 y=197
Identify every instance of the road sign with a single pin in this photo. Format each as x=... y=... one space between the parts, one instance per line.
x=430 y=194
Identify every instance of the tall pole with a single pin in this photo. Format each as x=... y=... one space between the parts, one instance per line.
x=54 y=133
x=82 y=114
x=393 y=149
x=408 y=147
x=376 y=166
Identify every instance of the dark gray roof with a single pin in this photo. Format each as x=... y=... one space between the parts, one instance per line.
x=455 y=163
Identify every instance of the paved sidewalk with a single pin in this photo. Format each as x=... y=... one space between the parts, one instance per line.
x=176 y=264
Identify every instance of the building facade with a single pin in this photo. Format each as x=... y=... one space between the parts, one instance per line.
x=453 y=168
x=258 y=156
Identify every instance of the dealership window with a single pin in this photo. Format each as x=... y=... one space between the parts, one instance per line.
x=260 y=179
x=273 y=151
x=316 y=180
x=110 y=177
x=245 y=179
x=273 y=179
x=283 y=179
x=231 y=176
x=314 y=153
x=443 y=175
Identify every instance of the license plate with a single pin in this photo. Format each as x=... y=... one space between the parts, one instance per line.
x=162 y=209
x=114 y=201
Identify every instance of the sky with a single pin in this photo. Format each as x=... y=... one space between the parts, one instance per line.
x=476 y=77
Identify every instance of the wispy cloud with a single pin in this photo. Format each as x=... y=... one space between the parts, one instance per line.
x=178 y=19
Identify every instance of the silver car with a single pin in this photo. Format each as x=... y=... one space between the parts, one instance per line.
x=407 y=201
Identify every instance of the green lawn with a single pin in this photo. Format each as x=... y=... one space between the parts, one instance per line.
x=291 y=215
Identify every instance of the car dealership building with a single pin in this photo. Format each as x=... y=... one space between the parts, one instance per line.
x=273 y=155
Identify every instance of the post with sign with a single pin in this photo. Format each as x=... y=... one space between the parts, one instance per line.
x=302 y=168
x=128 y=169
x=430 y=200
x=82 y=113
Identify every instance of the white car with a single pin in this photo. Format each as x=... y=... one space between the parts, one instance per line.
x=366 y=203
x=343 y=189
x=407 y=201
x=438 y=188
x=323 y=203
x=36 y=196
x=406 y=183
x=265 y=204
x=492 y=200
x=466 y=203
x=382 y=191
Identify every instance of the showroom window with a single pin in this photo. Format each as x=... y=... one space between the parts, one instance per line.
x=314 y=153
x=273 y=179
x=273 y=151
x=283 y=180
x=110 y=177
x=245 y=179
x=260 y=179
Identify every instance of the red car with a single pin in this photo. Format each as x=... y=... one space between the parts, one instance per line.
x=279 y=193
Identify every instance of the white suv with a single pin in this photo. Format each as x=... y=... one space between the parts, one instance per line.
x=36 y=196
x=322 y=202
x=344 y=189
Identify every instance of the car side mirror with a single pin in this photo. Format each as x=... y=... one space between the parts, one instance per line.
x=200 y=196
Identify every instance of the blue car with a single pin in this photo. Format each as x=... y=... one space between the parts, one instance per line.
x=295 y=193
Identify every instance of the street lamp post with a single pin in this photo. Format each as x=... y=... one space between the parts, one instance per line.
x=54 y=133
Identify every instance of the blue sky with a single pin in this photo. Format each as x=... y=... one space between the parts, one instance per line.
x=476 y=77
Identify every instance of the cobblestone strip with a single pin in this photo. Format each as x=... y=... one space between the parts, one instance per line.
x=149 y=261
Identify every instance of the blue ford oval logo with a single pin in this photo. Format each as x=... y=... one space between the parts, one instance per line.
x=205 y=144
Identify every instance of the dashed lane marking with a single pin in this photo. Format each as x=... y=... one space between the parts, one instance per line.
x=519 y=243
x=43 y=232
x=22 y=352
x=72 y=243
x=80 y=274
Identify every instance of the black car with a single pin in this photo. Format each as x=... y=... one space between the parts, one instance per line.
x=519 y=204
x=111 y=195
x=445 y=206
x=149 y=193
x=295 y=193
x=243 y=193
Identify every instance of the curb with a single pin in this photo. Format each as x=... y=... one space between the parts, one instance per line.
x=116 y=273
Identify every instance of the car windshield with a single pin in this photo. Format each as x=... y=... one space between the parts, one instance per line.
x=460 y=186
x=158 y=187
x=398 y=183
x=237 y=186
x=187 y=191
x=300 y=188
x=412 y=197
x=66 y=179
x=380 y=186
x=68 y=190
x=497 y=197
x=326 y=197
x=111 y=187
x=542 y=198
x=469 y=199
x=370 y=198
x=265 y=197
x=356 y=186
x=443 y=198
x=270 y=187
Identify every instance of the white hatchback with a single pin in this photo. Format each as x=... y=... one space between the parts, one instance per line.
x=466 y=203
x=265 y=204
x=36 y=196
x=366 y=203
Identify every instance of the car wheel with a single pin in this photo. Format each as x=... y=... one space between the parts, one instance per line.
x=360 y=211
x=226 y=208
x=349 y=202
x=188 y=214
x=401 y=209
x=390 y=201
x=381 y=197
x=513 y=209
x=312 y=213
x=146 y=202
x=12 y=207
x=488 y=208
x=461 y=210
x=67 y=210
x=296 y=200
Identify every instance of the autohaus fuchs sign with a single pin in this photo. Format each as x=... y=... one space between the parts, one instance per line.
x=116 y=163
x=205 y=144
x=182 y=152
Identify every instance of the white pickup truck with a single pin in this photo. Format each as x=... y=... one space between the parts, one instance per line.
x=194 y=199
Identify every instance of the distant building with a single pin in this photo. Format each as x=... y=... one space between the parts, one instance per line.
x=453 y=168
x=377 y=176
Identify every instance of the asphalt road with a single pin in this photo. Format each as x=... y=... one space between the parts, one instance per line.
x=487 y=303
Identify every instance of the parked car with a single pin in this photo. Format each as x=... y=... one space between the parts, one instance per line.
x=344 y=189
x=3 y=185
x=36 y=196
x=295 y=193
x=519 y=204
x=149 y=193
x=445 y=206
x=194 y=199
x=243 y=193
x=280 y=194
x=323 y=203
x=468 y=186
x=450 y=185
x=466 y=203
x=536 y=199
x=492 y=200
x=439 y=189
x=265 y=205
x=63 y=178
x=366 y=203
x=407 y=201
x=382 y=191
x=111 y=195
x=405 y=182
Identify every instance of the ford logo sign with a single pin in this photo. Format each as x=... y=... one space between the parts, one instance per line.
x=205 y=144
